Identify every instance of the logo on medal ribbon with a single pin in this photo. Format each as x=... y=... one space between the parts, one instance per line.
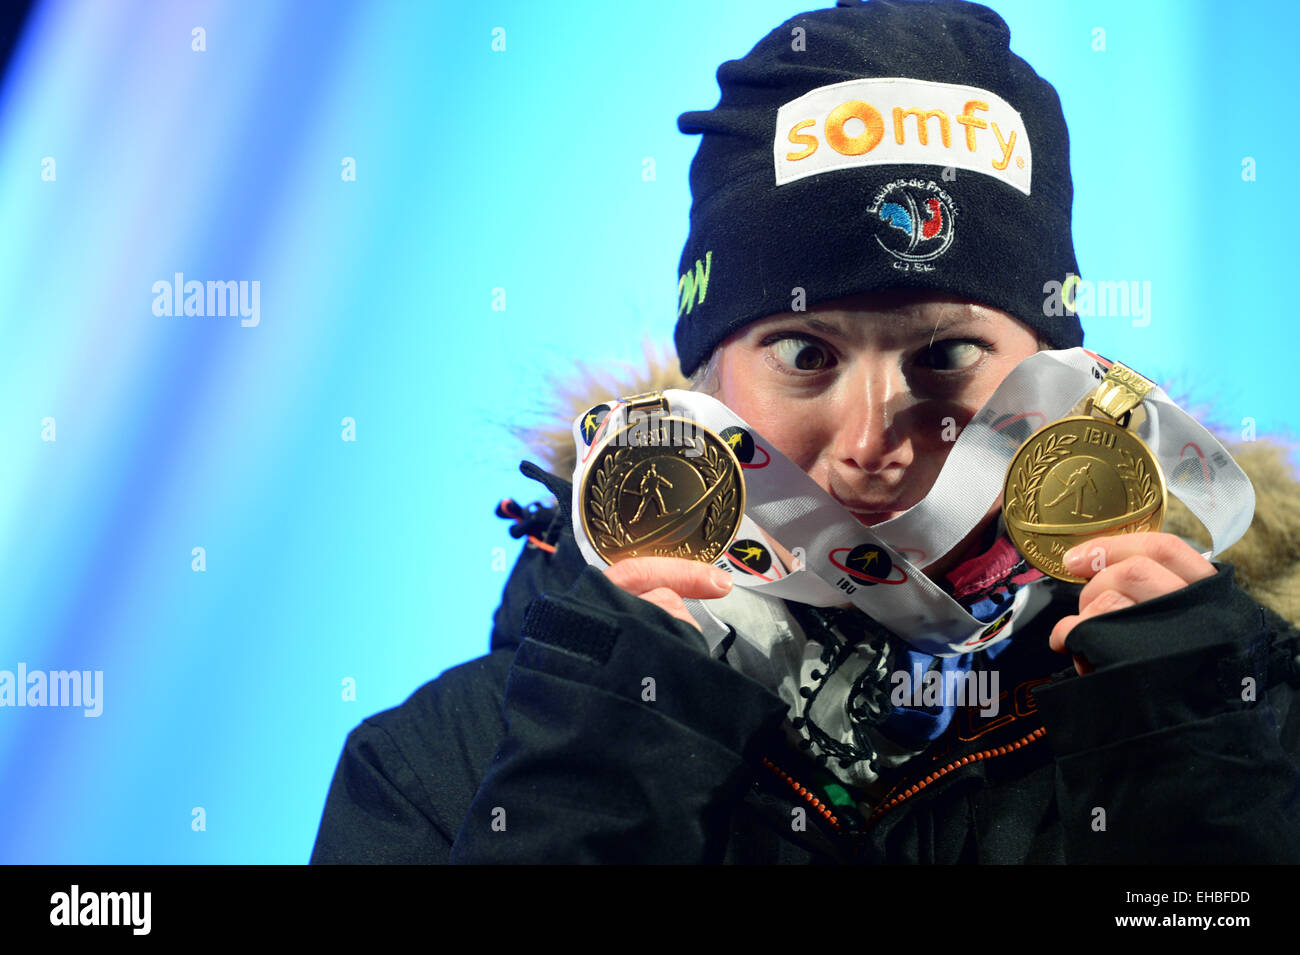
x=591 y=422
x=744 y=447
x=989 y=632
x=1015 y=429
x=867 y=564
x=1191 y=469
x=750 y=555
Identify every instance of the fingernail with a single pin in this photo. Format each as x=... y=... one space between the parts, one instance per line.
x=1074 y=556
x=721 y=579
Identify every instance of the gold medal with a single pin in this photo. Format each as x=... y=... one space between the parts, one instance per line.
x=663 y=486
x=1084 y=476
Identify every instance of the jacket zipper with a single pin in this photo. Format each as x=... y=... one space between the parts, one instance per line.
x=806 y=793
x=828 y=814
x=955 y=764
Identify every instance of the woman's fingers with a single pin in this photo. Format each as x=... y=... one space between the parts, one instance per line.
x=1125 y=570
x=666 y=581
x=672 y=604
x=688 y=578
x=1172 y=553
x=1136 y=579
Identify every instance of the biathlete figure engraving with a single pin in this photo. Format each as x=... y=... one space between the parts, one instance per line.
x=1080 y=480
x=652 y=485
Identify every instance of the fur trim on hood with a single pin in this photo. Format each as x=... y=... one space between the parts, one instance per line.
x=1267 y=558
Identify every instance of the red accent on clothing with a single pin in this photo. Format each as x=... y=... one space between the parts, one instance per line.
x=981 y=571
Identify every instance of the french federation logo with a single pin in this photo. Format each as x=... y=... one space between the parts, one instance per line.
x=916 y=220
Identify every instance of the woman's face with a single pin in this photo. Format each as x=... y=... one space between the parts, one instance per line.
x=868 y=393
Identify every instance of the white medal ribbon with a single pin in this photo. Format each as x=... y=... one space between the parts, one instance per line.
x=878 y=569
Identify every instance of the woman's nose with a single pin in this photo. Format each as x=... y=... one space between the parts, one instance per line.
x=868 y=434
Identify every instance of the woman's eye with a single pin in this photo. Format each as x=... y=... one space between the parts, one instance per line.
x=955 y=355
x=801 y=353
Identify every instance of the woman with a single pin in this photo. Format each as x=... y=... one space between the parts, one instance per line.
x=856 y=311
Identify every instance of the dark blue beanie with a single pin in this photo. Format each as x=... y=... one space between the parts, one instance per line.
x=876 y=145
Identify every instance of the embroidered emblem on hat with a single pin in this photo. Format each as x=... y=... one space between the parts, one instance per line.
x=743 y=446
x=693 y=285
x=916 y=222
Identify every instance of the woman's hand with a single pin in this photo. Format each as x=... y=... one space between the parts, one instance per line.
x=1126 y=570
x=665 y=581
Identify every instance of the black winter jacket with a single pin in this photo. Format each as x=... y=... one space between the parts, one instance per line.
x=1182 y=746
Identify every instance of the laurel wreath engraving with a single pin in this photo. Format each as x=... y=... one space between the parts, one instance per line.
x=1032 y=470
x=1134 y=472
x=603 y=503
x=713 y=465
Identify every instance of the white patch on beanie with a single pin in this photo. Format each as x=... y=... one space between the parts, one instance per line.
x=872 y=122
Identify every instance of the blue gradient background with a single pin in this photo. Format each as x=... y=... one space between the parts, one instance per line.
x=476 y=169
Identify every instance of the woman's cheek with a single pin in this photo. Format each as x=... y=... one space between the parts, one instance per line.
x=936 y=433
x=932 y=424
x=770 y=417
x=800 y=445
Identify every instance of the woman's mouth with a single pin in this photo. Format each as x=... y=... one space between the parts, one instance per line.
x=872 y=518
x=869 y=512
